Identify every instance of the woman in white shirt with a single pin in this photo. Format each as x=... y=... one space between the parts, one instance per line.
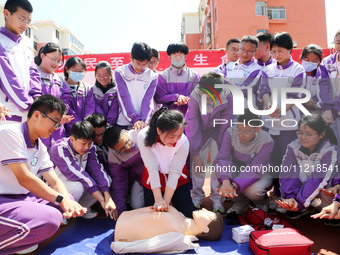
x=164 y=149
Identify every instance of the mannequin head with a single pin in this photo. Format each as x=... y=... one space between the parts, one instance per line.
x=211 y=224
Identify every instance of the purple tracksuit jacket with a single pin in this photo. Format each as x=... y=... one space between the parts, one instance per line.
x=200 y=127
x=85 y=169
x=107 y=104
x=255 y=154
x=307 y=173
x=173 y=82
x=79 y=103
x=52 y=85
x=19 y=77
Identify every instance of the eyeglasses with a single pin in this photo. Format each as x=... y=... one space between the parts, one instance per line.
x=244 y=132
x=234 y=50
x=56 y=125
x=248 y=52
x=127 y=145
x=56 y=62
x=153 y=63
x=300 y=134
x=23 y=20
x=105 y=76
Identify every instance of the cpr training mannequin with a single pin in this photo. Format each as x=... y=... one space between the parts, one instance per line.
x=143 y=229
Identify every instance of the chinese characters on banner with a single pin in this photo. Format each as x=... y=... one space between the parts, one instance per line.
x=195 y=59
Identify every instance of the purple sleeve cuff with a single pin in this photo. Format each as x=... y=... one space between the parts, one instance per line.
x=45 y=170
x=92 y=189
x=14 y=160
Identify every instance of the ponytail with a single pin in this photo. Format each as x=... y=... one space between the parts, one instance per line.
x=151 y=135
x=329 y=134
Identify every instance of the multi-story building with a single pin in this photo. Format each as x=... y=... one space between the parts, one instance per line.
x=220 y=20
x=42 y=32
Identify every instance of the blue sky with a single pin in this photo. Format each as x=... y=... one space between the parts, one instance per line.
x=108 y=26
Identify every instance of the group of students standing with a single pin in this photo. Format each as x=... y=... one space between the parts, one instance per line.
x=124 y=141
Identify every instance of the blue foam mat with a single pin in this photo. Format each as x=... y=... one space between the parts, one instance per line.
x=95 y=236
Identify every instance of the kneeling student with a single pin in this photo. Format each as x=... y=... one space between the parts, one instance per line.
x=77 y=166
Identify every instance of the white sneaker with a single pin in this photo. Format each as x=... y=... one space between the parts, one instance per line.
x=28 y=250
x=90 y=214
x=64 y=222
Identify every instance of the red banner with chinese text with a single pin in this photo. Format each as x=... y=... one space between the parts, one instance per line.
x=195 y=59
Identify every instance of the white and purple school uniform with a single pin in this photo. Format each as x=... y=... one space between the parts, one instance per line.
x=23 y=216
x=174 y=82
x=85 y=169
x=19 y=77
x=307 y=173
x=320 y=87
x=51 y=84
x=79 y=101
x=124 y=169
x=224 y=68
x=246 y=76
x=254 y=154
x=333 y=67
x=135 y=95
x=107 y=102
x=264 y=65
x=201 y=129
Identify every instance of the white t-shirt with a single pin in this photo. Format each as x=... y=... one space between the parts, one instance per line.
x=16 y=147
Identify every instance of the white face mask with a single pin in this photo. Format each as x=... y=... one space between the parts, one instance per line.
x=309 y=66
x=75 y=76
x=178 y=63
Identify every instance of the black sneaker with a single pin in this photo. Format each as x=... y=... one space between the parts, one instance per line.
x=332 y=223
x=232 y=218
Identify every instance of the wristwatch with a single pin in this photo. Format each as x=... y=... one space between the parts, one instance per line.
x=59 y=199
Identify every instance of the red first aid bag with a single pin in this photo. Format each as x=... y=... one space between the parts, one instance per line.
x=279 y=242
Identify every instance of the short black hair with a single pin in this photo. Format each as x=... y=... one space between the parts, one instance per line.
x=48 y=48
x=312 y=48
x=283 y=40
x=264 y=37
x=177 y=47
x=96 y=119
x=155 y=53
x=208 y=80
x=249 y=116
x=83 y=130
x=232 y=40
x=250 y=38
x=12 y=5
x=47 y=104
x=111 y=136
x=141 y=51
x=72 y=61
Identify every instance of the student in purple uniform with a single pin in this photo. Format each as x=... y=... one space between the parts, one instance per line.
x=76 y=164
x=30 y=209
x=136 y=85
x=332 y=64
x=19 y=77
x=233 y=54
x=312 y=160
x=262 y=55
x=49 y=58
x=164 y=149
x=154 y=60
x=245 y=148
x=77 y=95
x=284 y=73
x=204 y=137
x=125 y=167
x=317 y=82
x=246 y=73
x=105 y=92
x=176 y=83
x=99 y=124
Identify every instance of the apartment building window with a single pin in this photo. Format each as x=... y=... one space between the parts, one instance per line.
x=28 y=32
x=35 y=46
x=261 y=8
x=57 y=33
x=261 y=30
x=276 y=12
